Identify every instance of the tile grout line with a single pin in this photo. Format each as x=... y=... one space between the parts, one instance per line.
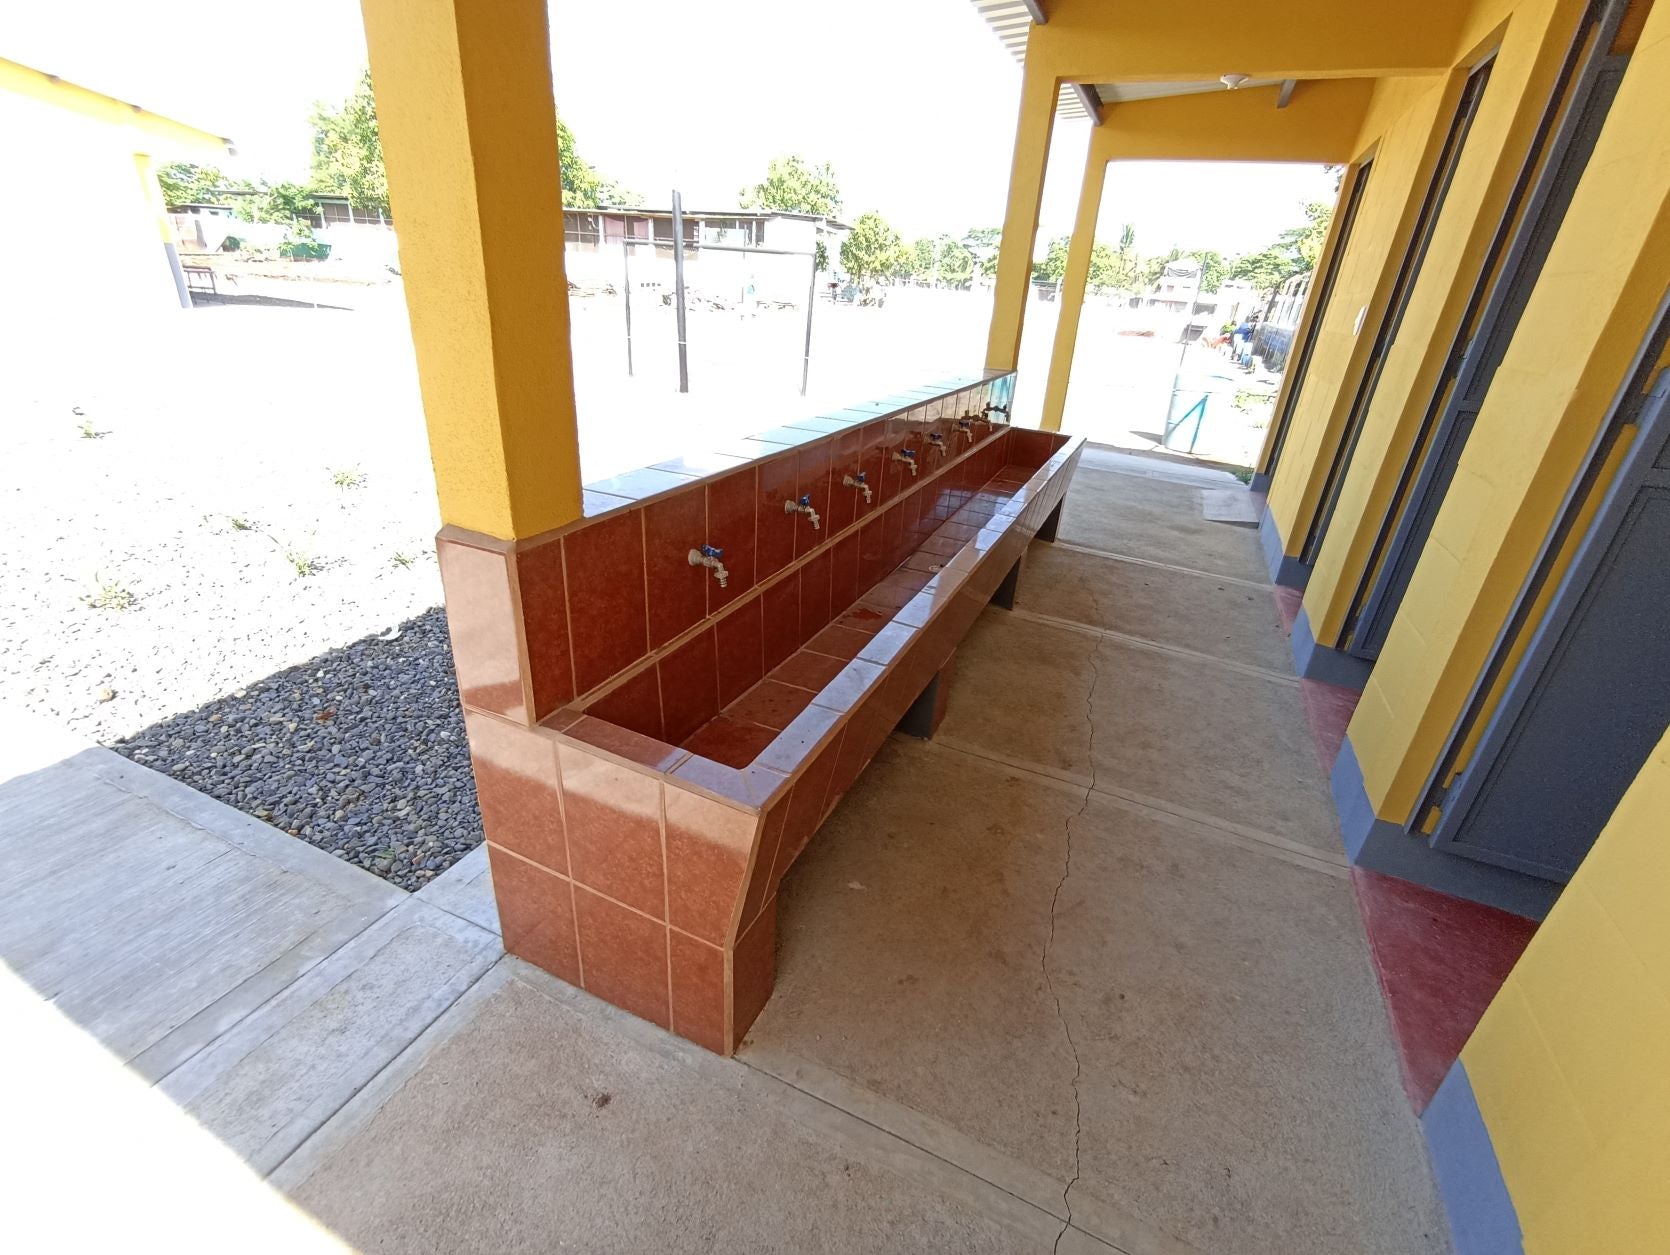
x=1158 y=647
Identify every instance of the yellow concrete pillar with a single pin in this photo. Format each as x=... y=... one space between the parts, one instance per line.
x=469 y=130
x=151 y=190
x=1070 y=299
x=1020 y=219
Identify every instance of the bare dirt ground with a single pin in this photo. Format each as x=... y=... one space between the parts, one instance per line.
x=219 y=520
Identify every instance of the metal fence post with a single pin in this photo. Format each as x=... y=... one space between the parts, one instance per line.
x=678 y=292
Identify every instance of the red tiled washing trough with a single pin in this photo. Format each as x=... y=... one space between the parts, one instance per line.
x=653 y=750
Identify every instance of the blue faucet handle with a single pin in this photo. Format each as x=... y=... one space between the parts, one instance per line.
x=806 y=498
x=908 y=453
x=712 y=551
x=861 y=478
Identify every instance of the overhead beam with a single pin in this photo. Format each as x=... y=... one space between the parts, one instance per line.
x=151 y=129
x=1091 y=101
x=1036 y=9
x=1092 y=41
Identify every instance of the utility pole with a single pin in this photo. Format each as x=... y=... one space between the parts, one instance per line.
x=678 y=292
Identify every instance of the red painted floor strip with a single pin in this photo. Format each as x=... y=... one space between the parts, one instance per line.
x=1288 y=601
x=1439 y=960
x=1328 y=710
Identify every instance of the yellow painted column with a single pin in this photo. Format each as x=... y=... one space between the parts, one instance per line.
x=151 y=190
x=469 y=130
x=1070 y=299
x=1020 y=219
x=1567 y=1065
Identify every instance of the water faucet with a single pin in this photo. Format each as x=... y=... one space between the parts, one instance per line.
x=861 y=482
x=709 y=557
x=936 y=442
x=966 y=426
x=908 y=457
x=995 y=409
x=803 y=506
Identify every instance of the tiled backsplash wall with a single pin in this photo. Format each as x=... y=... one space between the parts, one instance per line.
x=610 y=605
x=654 y=750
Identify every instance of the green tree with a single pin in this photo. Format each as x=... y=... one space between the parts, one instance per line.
x=186 y=184
x=924 y=255
x=1295 y=251
x=956 y=263
x=1054 y=264
x=795 y=186
x=1104 y=267
x=1306 y=241
x=282 y=202
x=583 y=187
x=348 y=151
x=1266 y=269
x=1213 y=269
x=871 y=249
x=983 y=243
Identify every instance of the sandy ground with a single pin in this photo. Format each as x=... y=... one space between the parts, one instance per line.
x=199 y=501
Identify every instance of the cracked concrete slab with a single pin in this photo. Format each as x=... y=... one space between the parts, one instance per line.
x=1238 y=1086
x=546 y=1121
x=1157 y=519
x=1208 y=614
x=1228 y=744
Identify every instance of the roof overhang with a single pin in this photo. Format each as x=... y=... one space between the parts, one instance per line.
x=164 y=134
x=1012 y=21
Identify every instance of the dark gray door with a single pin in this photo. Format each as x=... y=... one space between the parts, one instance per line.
x=1592 y=696
x=1443 y=437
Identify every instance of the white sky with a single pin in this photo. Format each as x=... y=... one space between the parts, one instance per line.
x=913 y=101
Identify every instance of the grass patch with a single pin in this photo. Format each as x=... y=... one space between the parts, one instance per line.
x=108 y=594
x=348 y=477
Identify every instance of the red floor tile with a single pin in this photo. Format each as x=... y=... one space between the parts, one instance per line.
x=1439 y=960
x=1328 y=710
x=1288 y=602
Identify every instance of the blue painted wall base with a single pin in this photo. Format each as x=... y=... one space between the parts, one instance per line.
x=1482 y=1216
x=1382 y=846
x=1286 y=571
x=1319 y=662
x=1260 y=482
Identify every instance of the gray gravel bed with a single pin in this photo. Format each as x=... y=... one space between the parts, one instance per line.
x=360 y=751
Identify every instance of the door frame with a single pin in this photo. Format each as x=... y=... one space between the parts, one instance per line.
x=1594 y=554
x=1390 y=565
x=1321 y=295
x=1408 y=276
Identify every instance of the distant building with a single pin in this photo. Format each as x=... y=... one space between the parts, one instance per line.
x=105 y=244
x=1177 y=288
x=714 y=265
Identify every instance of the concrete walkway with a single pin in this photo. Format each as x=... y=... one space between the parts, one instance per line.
x=1083 y=974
